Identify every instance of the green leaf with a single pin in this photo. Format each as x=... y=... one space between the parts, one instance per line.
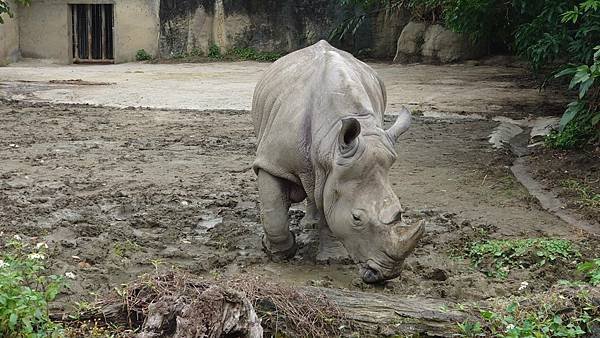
x=583 y=88
x=566 y=71
x=568 y=115
x=596 y=119
x=12 y=321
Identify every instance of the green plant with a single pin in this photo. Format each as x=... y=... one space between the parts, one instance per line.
x=123 y=249
x=568 y=310
x=592 y=271
x=214 y=52
x=534 y=324
x=25 y=291
x=5 y=8
x=470 y=329
x=497 y=257
x=142 y=55
x=586 y=195
x=196 y=52
x=252 y=54
x=581 y=120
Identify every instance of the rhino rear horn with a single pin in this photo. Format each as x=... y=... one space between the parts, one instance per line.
x=348 y=137
x=400 y=126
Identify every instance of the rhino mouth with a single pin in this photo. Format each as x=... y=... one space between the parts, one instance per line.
x=372 y=273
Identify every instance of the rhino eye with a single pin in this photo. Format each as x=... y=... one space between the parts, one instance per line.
x=358 y=217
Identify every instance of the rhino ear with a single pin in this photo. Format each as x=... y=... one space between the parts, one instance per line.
x=400 y=126
x=348 y=137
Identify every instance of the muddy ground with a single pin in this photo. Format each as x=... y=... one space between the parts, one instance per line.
x=119 y=192
x=574 y=176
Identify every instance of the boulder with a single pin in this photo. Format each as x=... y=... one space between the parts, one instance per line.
x=434 y=44
x=444 y=46
x=410 y=42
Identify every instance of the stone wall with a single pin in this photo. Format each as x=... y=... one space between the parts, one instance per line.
x=268 y=25
x=9 y=37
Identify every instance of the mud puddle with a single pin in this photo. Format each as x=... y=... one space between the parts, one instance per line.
x=120 y=192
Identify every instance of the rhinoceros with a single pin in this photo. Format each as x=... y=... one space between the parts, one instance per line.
x=318 y=118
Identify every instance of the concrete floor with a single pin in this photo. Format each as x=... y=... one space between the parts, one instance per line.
x=458 y=88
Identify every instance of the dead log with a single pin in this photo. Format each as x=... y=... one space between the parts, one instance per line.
x=366 y=313
x=381 y=314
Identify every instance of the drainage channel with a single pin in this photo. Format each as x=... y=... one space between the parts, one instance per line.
x=520 y=136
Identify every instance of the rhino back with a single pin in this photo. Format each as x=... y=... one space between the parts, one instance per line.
x=301 y=97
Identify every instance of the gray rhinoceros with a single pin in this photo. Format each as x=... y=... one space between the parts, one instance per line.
x=318 y=118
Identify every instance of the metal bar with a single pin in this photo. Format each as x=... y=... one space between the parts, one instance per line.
x=89 y=27
x=103 y=62
x=103 y=32
x=75 y=31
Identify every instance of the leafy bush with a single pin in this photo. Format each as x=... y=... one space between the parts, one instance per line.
x=142 y=55
x=214 y=52
x=497 y=257
x=25 y=291
x=581 y=120
x=592 y=271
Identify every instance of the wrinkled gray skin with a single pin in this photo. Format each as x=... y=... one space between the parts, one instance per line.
x=318 y=117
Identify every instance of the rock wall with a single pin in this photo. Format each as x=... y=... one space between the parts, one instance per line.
x=434 y=44
x=188 y=26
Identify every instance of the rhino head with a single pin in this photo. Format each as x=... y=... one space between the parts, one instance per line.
x=359 y=204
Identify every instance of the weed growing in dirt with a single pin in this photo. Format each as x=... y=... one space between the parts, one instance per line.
x=591 y=270
x=252 y=54
x=142 y=55
x=586 y=195
x=214 y=52
x=123 y=249
x=560 y=312
x=496 y=257
x=25 y=291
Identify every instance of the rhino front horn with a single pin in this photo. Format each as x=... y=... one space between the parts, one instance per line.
x=400 y=126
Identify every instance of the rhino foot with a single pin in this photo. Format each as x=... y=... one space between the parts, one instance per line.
x=279 y=253
x=332 y=251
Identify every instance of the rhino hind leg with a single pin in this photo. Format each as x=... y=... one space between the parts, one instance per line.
x=274 y=194
x=331 y=250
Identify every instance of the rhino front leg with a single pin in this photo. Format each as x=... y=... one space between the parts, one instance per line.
x=274 y=195
x=331 y=250
x=311 y=219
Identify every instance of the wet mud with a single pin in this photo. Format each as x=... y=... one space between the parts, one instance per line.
x=119 y=192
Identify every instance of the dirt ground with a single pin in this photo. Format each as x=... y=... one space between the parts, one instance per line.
x=119 y=192
x=460 y=88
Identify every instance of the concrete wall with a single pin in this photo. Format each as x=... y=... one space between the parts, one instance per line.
x=45 y=28
x=9 y=37
x=136 y=27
